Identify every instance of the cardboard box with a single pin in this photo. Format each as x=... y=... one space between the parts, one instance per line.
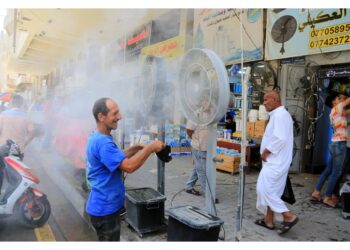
x=261 y=124
x=259 y=128
x=250 y=128
x=230 y=163
x=258 y=134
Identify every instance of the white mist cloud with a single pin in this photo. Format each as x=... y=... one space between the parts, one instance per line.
x=2 y=16
x=97 y=70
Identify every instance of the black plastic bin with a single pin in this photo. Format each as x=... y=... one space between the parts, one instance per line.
x=346 y=199
x=145 y=210
x=188 y=223
x=346 y=205
x=345 y=193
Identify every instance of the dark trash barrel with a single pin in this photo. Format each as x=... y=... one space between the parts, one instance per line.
x=144 y=209
x=345 y=193
x=346 y=199
x=188 y=223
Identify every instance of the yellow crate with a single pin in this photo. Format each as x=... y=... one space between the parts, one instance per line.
x=185 y=149
x=230 y=164
x=175 y=149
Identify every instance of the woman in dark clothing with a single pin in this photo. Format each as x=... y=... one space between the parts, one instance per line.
x=230 y=124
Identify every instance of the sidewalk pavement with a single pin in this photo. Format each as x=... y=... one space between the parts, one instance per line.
x=316 y=222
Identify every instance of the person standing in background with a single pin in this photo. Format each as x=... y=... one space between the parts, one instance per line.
x=276 y=153
x=51 y=108
x=16 y=124
x=2 y=107
x=347 y=160
x=337 y=149
x=230 y=124
x=346 y=164
x=199 y=140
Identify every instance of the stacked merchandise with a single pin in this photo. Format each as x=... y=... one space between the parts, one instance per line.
x=256 y=125
x=177 y=139
x=231 y=160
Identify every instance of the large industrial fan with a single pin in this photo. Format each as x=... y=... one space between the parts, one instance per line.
x=157 y=101
x=263 y=77
x=153 y=87
x=303 y=81
x=204 y=92
x=283 y=30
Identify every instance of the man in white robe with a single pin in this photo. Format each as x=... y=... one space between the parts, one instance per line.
x=276 y=153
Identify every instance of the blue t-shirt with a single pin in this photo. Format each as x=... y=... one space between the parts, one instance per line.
x=103 y=161
x=15 y=112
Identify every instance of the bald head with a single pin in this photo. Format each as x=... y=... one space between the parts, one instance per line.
x=272 y=100
x=274 y=94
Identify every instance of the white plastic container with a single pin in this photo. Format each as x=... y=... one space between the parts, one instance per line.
x=253 y=115
x=262 y=114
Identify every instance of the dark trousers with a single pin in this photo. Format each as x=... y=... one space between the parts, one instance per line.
x=2 y=170
x=1 y=177
x=107 y=227
x=345 y=171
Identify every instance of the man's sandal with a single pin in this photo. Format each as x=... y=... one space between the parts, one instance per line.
x=336 y=205
x=314 y=200
x=286 y=226
x=193 y=191
x=261 y=222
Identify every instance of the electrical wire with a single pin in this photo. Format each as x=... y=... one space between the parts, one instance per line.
x=220 y=184
x=183 y=189
x=207 y=181
x=313 y=27
x=173 y=197
x=246 y=32
x=318 y=41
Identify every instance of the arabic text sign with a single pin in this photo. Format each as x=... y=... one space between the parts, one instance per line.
x=334 y=73
x=136 y=41
x=308 y=32
x=219 y=30
x=330 y=36
x=172 y=47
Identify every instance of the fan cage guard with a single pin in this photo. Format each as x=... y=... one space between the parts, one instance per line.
x=152 y=80
x=147 y=90
x=261 y=70
x=203 y=62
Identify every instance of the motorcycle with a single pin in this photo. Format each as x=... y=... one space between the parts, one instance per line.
x=18 y=197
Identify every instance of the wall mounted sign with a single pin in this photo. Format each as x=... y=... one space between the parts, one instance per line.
x=219 y=30
x=299 y=32
x=136 y=41
x=172 y=47
x=338 y=72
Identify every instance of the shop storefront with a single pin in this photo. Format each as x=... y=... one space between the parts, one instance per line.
x=308 y=43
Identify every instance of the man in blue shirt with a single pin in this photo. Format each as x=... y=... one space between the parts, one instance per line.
x=105 y=162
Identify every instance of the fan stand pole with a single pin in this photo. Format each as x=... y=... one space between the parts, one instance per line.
x=210 y=191
x=161 y=164
x=121 y=140
x=243 y=164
